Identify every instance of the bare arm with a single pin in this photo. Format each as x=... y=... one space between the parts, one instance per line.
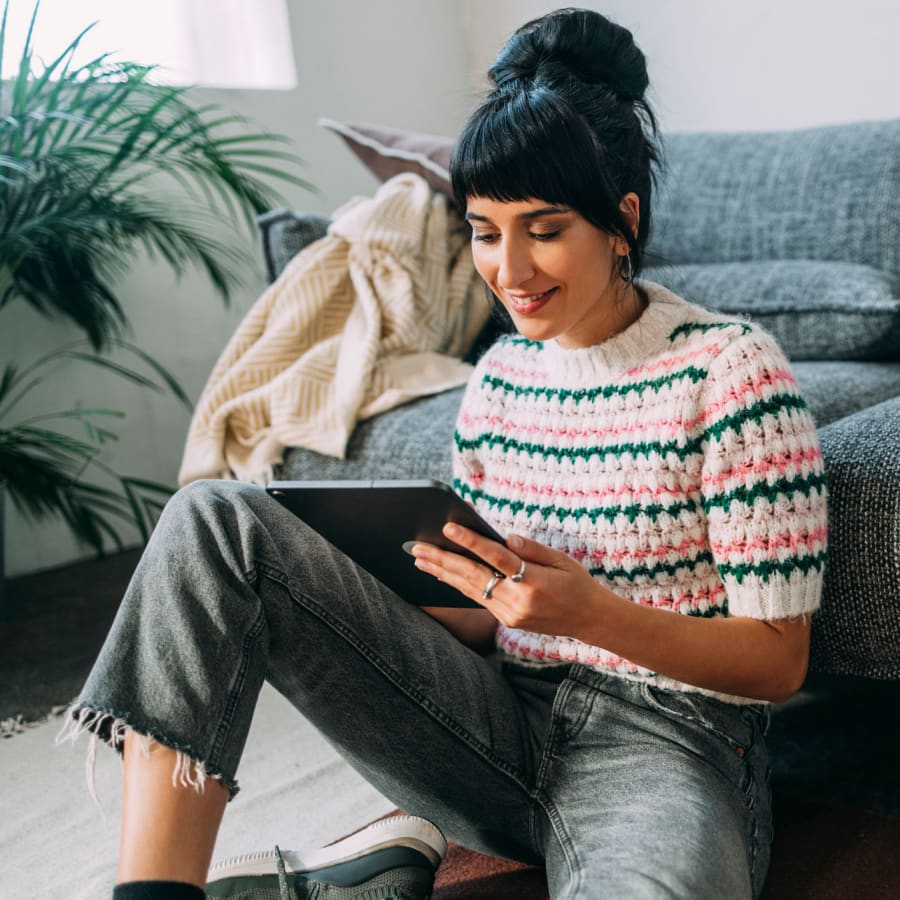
x=765 y=660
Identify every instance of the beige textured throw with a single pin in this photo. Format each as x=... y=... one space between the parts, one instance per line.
x=374 y=314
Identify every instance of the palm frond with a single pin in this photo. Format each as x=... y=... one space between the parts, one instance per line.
x=89 y=153
x=50 y=461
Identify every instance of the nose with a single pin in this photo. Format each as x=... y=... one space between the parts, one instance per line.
x=516 y=266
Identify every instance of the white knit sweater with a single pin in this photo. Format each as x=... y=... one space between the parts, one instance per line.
x=676 y=460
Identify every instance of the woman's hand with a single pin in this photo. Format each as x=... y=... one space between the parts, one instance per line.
x=555 y=596
x=746 y=657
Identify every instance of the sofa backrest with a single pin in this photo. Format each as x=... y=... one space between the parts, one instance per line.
x=827 y=193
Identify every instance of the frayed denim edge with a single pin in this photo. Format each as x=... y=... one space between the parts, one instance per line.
x=112 y=730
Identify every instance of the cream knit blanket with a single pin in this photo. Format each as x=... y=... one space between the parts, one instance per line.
x=373 y=315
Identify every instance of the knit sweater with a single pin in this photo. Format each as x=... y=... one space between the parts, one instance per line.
x=676 y=460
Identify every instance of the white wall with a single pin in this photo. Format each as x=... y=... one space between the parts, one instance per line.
x=719 y=66
x=398 y=62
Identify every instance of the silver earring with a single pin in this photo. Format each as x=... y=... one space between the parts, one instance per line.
x=627 y=269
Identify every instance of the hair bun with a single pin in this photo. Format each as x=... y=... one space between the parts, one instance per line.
x=578 y=43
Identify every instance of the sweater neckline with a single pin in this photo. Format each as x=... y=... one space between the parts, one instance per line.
x=631 y=347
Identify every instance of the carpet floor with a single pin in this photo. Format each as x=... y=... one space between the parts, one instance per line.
x=836 y=780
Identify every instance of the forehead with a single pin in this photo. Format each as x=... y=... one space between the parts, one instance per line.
x=497 y=211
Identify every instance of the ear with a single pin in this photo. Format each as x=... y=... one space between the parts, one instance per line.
x=631 y=209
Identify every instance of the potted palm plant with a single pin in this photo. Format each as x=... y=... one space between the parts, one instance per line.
x=98 y=160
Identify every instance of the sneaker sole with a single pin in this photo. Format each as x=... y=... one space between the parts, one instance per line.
x=396 y=831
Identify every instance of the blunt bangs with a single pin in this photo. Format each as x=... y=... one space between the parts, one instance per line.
x=532 y=145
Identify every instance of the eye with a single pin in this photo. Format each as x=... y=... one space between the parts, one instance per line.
x=545 y=235
x=484 y=237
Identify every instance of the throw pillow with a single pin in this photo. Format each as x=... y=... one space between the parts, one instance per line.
x=829 y=193
x=815 y=310
x=387 y=152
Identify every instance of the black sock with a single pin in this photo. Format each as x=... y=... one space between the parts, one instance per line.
x=157 y=890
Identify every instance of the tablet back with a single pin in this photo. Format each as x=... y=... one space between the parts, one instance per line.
x=370 y=521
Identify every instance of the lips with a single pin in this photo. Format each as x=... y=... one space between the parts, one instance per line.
x=529 y=304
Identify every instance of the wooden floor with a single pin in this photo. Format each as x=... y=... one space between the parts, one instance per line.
x=52 y=625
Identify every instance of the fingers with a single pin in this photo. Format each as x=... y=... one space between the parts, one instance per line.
x=495 y=554
x=533 y=551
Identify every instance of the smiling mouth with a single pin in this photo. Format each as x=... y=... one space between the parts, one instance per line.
x=530 y=304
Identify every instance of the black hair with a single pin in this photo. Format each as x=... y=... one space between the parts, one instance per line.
x=566 y=122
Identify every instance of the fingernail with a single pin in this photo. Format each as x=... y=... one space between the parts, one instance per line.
x=452 y=530
x=515 y=542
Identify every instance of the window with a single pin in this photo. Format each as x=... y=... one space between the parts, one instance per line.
x=214 y=43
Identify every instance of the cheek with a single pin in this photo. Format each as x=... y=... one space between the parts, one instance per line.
x=483 y=265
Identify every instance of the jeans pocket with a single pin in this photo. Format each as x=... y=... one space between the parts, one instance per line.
x=724 y=721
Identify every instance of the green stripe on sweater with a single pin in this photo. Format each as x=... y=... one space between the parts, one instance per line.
x=608 y=390
x=772 y=406
x=653 y=571
x=802 y=484
x=769 y=568
x=689 y=327
x=610 y=513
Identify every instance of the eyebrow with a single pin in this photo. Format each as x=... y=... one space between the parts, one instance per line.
x=531 y=214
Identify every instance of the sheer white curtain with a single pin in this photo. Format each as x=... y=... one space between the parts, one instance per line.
x=214 y=43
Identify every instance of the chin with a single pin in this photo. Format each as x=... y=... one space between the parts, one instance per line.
x=535 y=331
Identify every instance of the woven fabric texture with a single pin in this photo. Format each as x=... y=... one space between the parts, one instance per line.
x=815 y=310
x=828 y=193
x=283 y=234
x=837 y=389
x=856 y=629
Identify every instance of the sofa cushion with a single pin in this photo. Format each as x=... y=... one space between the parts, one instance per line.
x=855 y=631
x=815 y=310
x=412 y=441
x=827 y=193
x=387 y=152
x=833 y=390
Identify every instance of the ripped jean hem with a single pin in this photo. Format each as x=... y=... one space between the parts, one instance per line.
x=112 y=728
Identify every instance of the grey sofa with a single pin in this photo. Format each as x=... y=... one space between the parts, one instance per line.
x=799 y=230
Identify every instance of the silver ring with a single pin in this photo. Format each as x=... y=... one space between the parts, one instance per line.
x=495 y=579
x=520 y=575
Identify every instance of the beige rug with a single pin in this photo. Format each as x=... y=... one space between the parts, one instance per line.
x=55 y=842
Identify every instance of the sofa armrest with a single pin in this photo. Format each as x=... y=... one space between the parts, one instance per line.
x=857 y=630
x=283 y=234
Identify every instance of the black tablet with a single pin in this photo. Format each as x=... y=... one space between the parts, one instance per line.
x=376 y=522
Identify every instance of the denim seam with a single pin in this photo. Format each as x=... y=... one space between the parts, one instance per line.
x=539 y=797
x=417 y=696
x=565 y=842
x=237 y=689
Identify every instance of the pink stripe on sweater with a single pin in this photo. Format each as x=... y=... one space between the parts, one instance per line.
x=673 y=361
x=777 y=462
x=657 y=428
x=629 y=491
x=772 y=544
x=767 y=378
x=531 y=376
x=602 y=555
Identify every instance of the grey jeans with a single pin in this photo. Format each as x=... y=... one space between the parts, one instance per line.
x=622 y=789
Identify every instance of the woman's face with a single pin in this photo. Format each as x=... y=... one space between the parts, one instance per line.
x=555 y=272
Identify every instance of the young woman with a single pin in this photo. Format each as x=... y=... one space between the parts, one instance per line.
x=660 y=485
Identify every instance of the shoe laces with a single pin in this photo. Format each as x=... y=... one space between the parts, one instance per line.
x=283 y=887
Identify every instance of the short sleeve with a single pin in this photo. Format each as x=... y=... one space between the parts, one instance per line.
x=763 y=484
